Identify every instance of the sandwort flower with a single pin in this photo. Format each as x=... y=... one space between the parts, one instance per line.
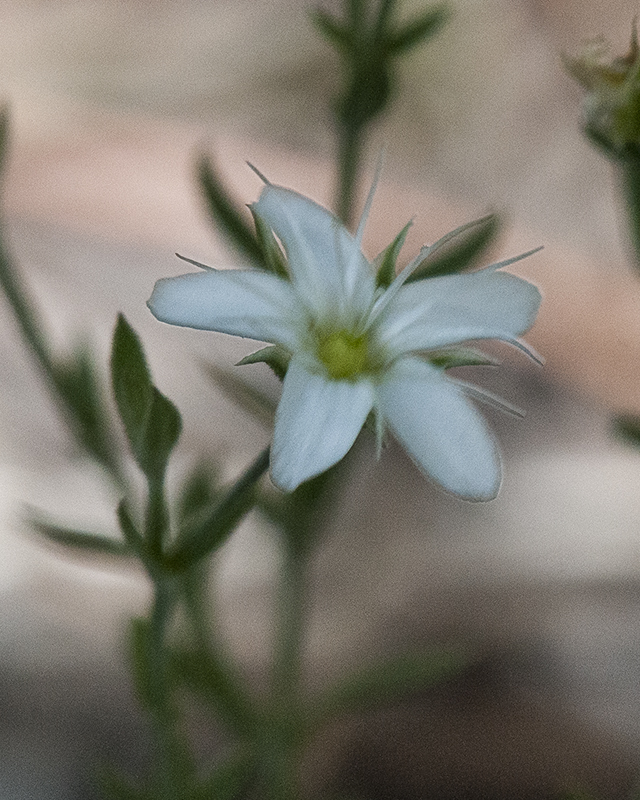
x=357 y=347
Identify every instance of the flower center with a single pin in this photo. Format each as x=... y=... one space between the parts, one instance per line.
x=344 y=355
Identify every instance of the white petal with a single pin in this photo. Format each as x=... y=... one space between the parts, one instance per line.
x=317 y=421
x=442 y=311
x=326 y=263
x=240 y=302
x=442 y=432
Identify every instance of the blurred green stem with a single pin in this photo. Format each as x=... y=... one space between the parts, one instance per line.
x=629 y=168
x=349 y=160
x=175 y=767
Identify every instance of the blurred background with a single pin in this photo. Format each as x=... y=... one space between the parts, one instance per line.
x=110 y=104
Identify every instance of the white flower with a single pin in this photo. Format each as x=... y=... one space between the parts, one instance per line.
x=357 y=348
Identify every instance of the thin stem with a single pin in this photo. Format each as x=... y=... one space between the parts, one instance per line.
x=349 y=158
x=629 y=167
x=281 y=749
x=175 y=765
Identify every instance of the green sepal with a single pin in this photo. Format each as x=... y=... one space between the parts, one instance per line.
x=151 y=421
x=461 y=253
x=627 y=427
x=387 y=259
x=249 y=399
x=460 y=357
x=229 y=781
x=211 y=527
x=418 y=30
x=273 y=258
x=389 y=681
x=78 y=540
x=214 y=681
x=225 y=214
x=275 y=357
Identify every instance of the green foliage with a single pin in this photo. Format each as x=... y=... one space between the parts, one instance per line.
x=387 y=260
x=251 y=400
x=275 y=357
x=229 y=781
x=211 y=526
x=151 y=421
x=273 y=257
x=78 y=540
x=225 y=214
x=387 y=682
x=461 y=252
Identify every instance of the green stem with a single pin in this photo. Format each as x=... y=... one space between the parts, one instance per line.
x=349 y=157
x=175 y=767
x=629 y=167
x=281 y=749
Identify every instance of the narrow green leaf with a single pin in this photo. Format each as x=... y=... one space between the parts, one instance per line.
x=131 y=382
x=200 y=490
x=460 y=253
x=389 y=681
x=160 y=436
x=212 y=527
x=213 y=679
x=225 y=214
x=249 y=399
x=419 y=30
x=275 y=357
x=77 y=385
x=131 y=534
x=386 y=272
x=332 y=30
x=79 y=540
x=273 y=257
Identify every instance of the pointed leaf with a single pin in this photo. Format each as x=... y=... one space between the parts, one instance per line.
x=131 y=382
x=210 y=528
x=273 y=356
x=460 y=253
x=129 y=531
x=418 y=30
x=225 y=214
x=200 y=490
x=117 y=787
x=389 y=681
x=214 y=680
x=386 y=272
x=79 y=540
x=251 y=400
x=4 y=137
x=161 y=434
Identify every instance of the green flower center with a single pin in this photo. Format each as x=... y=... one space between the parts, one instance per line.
x=344 y=355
